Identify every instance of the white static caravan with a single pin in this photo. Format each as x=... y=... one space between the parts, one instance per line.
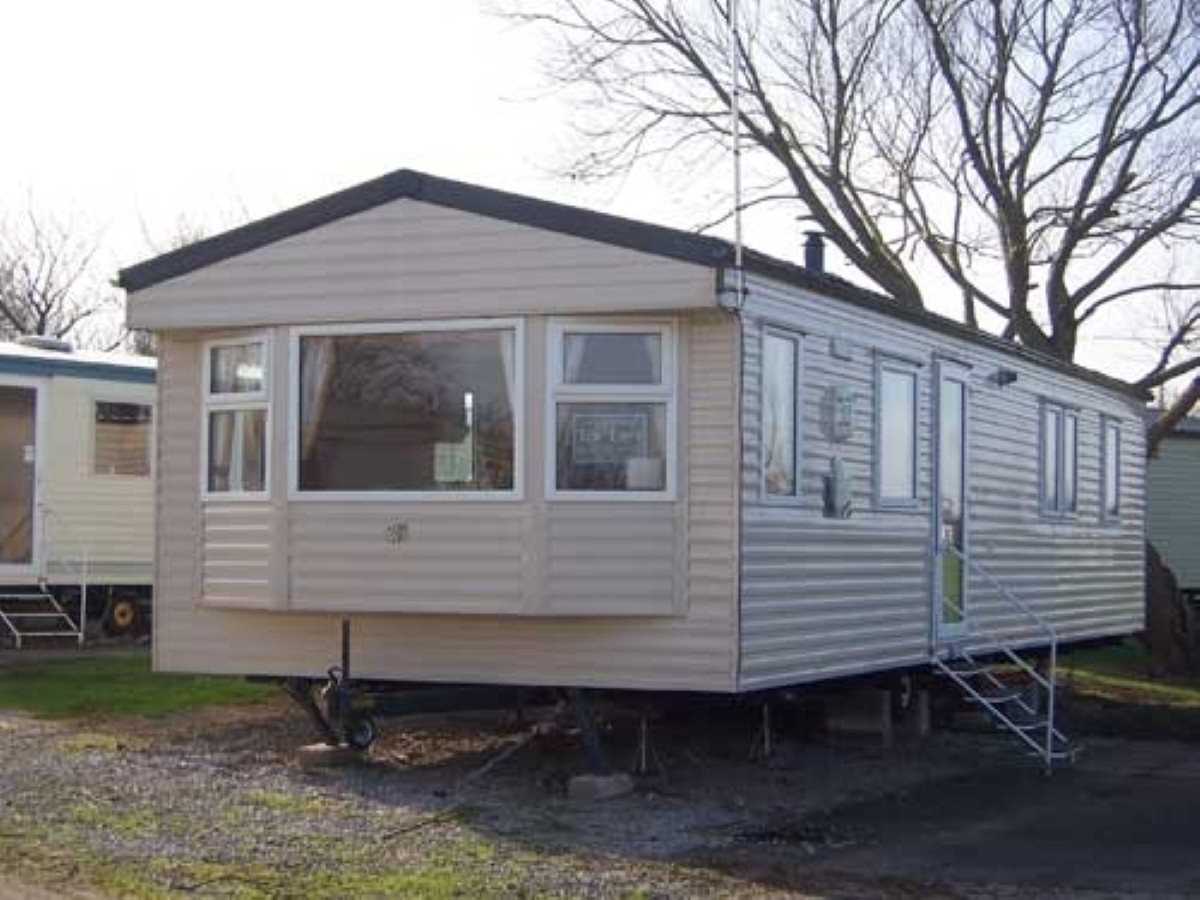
x=515 y=442
x=76 y=487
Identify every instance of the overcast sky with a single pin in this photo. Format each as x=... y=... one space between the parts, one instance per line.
x=128 y=117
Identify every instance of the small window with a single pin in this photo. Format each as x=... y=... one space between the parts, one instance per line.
x=237 y=418
x=121 y=439
x=1060 y=441
x=612 y=398
x=421 y=410
x=780 y=414
x=1110 y=500
x=896 y=433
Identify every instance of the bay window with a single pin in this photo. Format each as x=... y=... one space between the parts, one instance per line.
x=237 y=412
x=414 y=409
x=612 y=406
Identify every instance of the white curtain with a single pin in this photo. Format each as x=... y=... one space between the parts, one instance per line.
x=317 y=356
x=507 y=351
x=574 y=348
x=220 y=440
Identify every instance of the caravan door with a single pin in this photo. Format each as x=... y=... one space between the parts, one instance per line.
x=20 y=401
x=951 y=611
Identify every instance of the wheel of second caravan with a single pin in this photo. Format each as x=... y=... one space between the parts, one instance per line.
x=121 y=616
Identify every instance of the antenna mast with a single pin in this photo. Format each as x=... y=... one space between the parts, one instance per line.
x=735 y=129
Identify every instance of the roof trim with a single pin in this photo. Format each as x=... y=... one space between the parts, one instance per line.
x=408 y=183
x=36 y=367
x=631 y=234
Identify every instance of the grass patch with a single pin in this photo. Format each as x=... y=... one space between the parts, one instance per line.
x=281 y=802
x=1122 y=672
x=116 y=686
x=90 y=742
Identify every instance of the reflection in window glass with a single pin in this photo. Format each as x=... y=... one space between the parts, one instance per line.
x=412 y=411
x=952 y=495
x=612 y=358
x=1051 y=447
x=121 y=439
x=237 y=459
x=1060 y=440
x=897 y=435
x=1112 y=469
x=236 y=369
x=1070 y=440
x=779 y=415
x=612 y=446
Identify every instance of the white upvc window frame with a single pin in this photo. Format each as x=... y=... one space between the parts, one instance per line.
x=516 y=493
x=1107 y=424
x=1063 y=413
x=897 y=365
x=560 y=391
x=796 y=338
x=230 y=402
x=116 y=397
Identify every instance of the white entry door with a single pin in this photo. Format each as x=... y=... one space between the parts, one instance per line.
x=951 y=611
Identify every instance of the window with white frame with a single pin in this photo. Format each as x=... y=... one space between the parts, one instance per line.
x=237 y=413
x=121 y=438
x=781 y=362
x=612 y=403
x=896 y=404
x=1110 y=485
x=1060 y=444
x=423 y=408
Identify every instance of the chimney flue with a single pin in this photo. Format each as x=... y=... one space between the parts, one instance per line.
x=814 y=251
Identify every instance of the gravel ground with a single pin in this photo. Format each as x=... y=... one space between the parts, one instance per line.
x=214 y=804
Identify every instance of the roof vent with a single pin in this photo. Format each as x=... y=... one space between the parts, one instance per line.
x=45 y=342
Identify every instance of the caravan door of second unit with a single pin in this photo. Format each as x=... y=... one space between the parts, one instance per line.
x=950 y=602
x=18 y=478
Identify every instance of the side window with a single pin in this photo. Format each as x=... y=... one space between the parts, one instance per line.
x=897 y=396
x=121 y=438
x=1110 y=485
x=612 y=402
x=781 y=414
x=1060 y=444
x=236 y=411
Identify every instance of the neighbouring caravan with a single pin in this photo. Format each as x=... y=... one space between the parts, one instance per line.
x=76 y=489
x=515 y=442
x=1173 y=504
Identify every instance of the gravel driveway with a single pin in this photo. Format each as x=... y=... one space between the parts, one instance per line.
x=214 y=804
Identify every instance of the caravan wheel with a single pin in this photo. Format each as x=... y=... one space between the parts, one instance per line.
x=121 y=616
x=361 y=733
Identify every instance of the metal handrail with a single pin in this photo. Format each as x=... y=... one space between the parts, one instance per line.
x=80 y=568
x=1047 y=681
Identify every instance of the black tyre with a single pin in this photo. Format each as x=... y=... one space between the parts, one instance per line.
x=122 y=616
x=361 y=732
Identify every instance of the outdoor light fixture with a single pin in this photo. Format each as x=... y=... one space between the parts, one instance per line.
x=1002 y=377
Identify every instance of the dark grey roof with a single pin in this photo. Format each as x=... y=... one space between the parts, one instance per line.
x=584 y=223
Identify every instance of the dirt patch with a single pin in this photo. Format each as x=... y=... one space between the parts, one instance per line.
x=212 y=803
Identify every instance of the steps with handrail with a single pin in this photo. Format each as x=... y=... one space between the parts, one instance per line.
x=35 y=613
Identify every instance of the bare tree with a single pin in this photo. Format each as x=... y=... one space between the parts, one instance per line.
x=47 y=283
x=1038 y=155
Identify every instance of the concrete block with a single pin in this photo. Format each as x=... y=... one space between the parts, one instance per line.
x=915 y=721
x=861 y=712
x=324 y=756
x=594 y=788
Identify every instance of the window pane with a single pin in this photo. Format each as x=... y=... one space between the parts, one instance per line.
x=779 y=415
x=952 y=494
x=1070 y=431
x=897 y=435
x=121 y=439
x=618 y=358
x=236 y=369
x=237 y=459
x=418 y=411
x=1112 y=468
x=1050 y=442
x=612 y=446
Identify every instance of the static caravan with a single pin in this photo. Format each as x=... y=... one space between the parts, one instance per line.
x=515 y=442
x=1173 y=503
x=76 y=488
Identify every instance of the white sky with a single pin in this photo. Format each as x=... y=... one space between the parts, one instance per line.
x=127 y=117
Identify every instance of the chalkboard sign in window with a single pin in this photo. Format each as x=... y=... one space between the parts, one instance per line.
x=612 y=385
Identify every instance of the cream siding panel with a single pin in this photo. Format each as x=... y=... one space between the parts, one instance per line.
x=236 y=556
x=1173 y=498
x=107 y=519
x=824 y=597
x=408 y=259
x=518 y=587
